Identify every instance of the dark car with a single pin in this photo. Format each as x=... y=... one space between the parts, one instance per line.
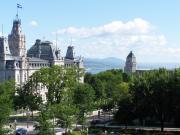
x=93 y=122
x=21 y=131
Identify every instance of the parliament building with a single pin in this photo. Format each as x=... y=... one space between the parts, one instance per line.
x=18 y=64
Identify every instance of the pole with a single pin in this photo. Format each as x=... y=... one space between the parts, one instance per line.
x=17 y=11
x=2 y=30
x=56 y=41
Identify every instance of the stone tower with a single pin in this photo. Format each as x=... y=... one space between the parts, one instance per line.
x=130 y=66
x=4 y=52
x=16 y=39
x=4 y=48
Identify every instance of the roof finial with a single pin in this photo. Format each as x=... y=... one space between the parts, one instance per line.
x=56 y=40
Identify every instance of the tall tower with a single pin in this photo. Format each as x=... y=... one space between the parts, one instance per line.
x=130 y=66
x=16 y=39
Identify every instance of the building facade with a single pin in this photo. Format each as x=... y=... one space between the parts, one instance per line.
x=18 y=64
x=130 y=65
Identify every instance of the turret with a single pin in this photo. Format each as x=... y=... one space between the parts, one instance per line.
x=16 y=39
x=4 y=48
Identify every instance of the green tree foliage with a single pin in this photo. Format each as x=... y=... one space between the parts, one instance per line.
x=6 y=103
x=84 y=100
x=175 y=83
x=57 y=80
x=66 y=114
x=162 y=95
x=28 y=96
x=152 y=96
x=141 y=96
x=125 y=113
x=45 y=127
x=109 y=87
x=60 y=83
x=99 y=88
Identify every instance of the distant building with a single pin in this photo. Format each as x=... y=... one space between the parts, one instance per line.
x=19 y=65
x=130 y=65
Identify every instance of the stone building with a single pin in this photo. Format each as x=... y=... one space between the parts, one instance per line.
x=18 y=64
x=130 y=65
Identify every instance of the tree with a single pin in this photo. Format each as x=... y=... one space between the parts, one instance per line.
x=152 y=96
x=66 y=114
x=7 y=91
x=56 y=79
x=45 y=127
x=142 y=96
x=60 y=83
x=162 y=95
x=125 y=113
x=83 y=99
x=28 y=96
x=175 y=85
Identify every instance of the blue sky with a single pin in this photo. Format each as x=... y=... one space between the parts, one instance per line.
x=102 y=28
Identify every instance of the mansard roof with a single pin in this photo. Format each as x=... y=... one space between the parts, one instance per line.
x=43 y=50
x=33 y=59
x=70 y=53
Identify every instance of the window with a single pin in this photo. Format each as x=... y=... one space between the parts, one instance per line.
x=25 y=77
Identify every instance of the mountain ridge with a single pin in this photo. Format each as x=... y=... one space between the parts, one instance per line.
x=96 y=65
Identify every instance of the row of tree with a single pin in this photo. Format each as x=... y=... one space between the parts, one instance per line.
x=152 y=96
x=110 y=87
x=7 y=91
x=67 y=100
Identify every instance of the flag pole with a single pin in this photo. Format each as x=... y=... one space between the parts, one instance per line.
x=56 y=41
x=17 y=11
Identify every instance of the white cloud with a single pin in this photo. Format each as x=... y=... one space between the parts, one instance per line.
x=117 y=38
x=138 y=26
x=33 y=23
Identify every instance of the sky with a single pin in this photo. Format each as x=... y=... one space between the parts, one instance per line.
x=101 y=28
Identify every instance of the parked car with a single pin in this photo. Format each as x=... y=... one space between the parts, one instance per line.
x=21 y=131
x=93 y=122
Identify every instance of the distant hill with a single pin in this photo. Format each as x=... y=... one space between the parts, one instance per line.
x=97 y=65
